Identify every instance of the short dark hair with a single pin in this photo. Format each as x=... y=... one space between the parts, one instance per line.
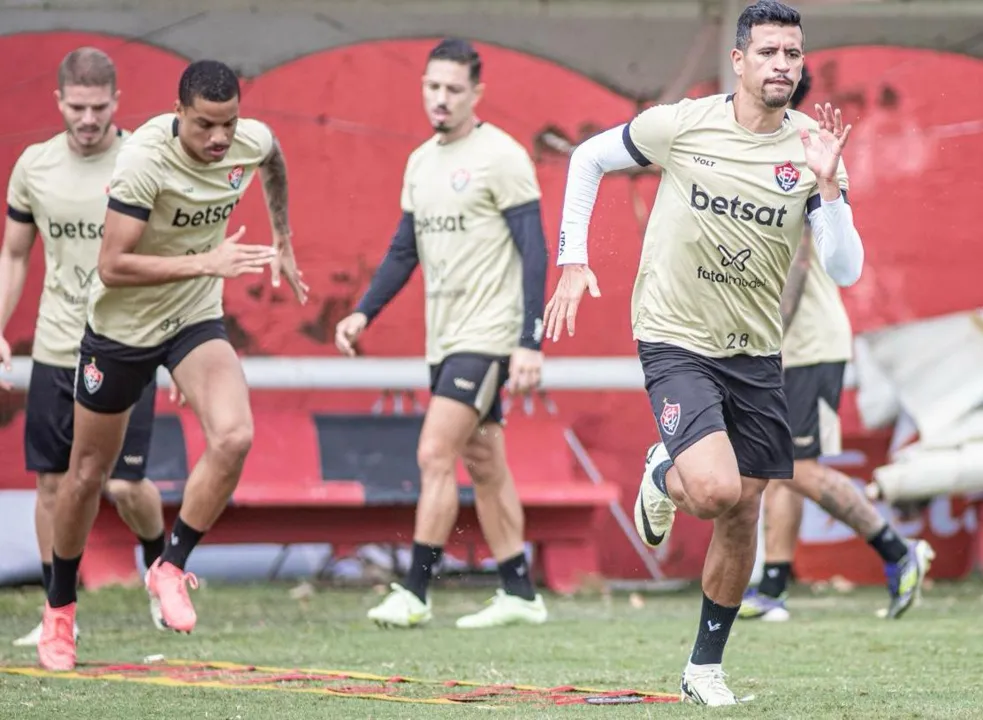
x=87 y=66
x=459 y=51
x=801 y=90
x=209 y=80
x=764 y=12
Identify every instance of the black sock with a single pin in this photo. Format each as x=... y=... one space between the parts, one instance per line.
x=425 y=557
x=64 y=581
x=888 y=545
x=515 y=577
x=46 y=576
x=152 y=549
x=715 y=623
x=182 y=541
x=659 y=477
x=774 y=579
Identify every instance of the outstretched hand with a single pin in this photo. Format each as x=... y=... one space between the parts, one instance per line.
x=823 y=150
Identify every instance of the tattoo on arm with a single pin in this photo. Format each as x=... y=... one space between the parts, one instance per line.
x=274 y=174
x=796 y=282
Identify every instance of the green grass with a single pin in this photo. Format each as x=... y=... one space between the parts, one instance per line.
x=835 y=659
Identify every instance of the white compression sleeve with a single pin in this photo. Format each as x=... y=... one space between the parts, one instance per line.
x=592 y=158
x=838 y=244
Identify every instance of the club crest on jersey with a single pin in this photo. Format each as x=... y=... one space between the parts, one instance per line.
x=669 y=419
x=235 y=176
x=787 y=176
x=460 y=179
x=92 y=377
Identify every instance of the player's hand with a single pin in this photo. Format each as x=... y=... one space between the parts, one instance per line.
x=286 y=264
x=176 y=395
x=230 y=259
x=5 y=363
x=348 y=331
x=525 y=370
x=824 y=150
x=562 y=307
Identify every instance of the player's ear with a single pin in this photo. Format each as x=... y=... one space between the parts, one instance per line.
x=58 y=96
x=737 y=61
x=479 y=91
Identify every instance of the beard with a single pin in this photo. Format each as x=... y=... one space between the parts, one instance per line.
x=776 y=96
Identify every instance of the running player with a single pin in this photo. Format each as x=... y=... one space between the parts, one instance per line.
x=158 y=301
x=58 y=189
x=815 y=349
x=471 y=218
x=739 y=176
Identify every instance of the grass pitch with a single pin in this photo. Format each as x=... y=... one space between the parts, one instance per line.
x=834 y=659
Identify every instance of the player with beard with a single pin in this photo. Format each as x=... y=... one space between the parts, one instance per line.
x=158 y=301
x=816 y=346
x=740 y=173
x=471 y=219
x=58 y=189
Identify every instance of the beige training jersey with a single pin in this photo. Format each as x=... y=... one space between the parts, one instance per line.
x=820 y=331
x=727 y=218
x=472 y=269
x=186 y=204
x=64 y=195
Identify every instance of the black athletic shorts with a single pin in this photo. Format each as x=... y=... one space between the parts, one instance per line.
x=49 y=425
x=473 y=379
x=112 y=376
x=693 y=396
x=813 y=393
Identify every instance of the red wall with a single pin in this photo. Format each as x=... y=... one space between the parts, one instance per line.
x=348 y=117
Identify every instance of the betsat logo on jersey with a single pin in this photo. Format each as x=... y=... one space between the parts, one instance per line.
x=208 y=216
x=738 y=209
x=439 y=224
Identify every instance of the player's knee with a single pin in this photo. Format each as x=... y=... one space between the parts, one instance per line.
x=807 y=478
x=231 y=444
x=435 y=458
x=124 y=494
x=714 y=495
x=91 y=472
x=482 y=464
x=48 y=486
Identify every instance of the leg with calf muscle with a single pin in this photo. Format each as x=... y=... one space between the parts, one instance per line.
x=139 y=505
x=783 y=517
x=213 y=383
x=835 y=493
x=446 y=429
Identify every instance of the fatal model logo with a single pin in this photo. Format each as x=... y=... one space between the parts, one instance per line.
x=787 y=176
x=737 y=260
x=235 y=176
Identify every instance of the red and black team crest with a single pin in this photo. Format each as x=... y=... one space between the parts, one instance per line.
x=787 y=176
x=669 y=419
x=235 y=176
x=92 y=377
x=460 y=179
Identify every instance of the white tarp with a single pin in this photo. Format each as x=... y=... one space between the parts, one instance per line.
x=929 y=374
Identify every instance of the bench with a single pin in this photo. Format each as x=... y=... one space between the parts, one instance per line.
x=350 y=479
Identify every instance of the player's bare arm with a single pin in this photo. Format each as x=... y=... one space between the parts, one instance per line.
x=795 y=284
x=394 y=272
x=593 y=158
x=526 y=227
x=840 y=249
x=18 y=239
x=120 y=266
x=273 y=173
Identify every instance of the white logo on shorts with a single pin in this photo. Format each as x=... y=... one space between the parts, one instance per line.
x=669 y=419
x=464 y=384
x=92 y=377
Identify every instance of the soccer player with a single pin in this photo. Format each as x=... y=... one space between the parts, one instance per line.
x=471 y=218
x=58 y=189
x=815 y=349
x=158 y=301
x=739 y=175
